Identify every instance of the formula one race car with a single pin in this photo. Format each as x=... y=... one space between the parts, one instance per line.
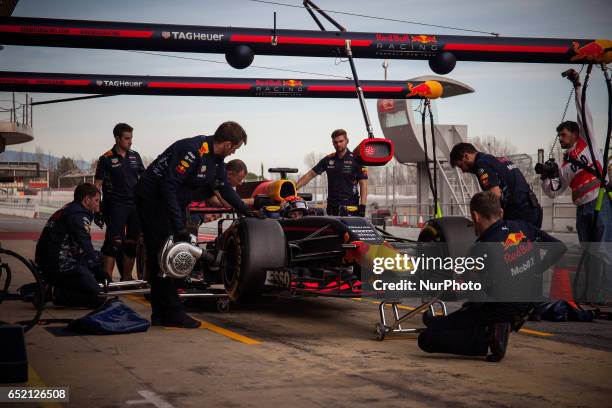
x=307 y=255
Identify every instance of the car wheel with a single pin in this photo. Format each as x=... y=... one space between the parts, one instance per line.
x=251 y=247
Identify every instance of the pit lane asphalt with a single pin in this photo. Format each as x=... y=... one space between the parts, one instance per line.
x=308 y=351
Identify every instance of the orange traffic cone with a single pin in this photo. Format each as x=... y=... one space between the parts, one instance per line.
x=561 y=286
x=394 y=222
x=421 y=223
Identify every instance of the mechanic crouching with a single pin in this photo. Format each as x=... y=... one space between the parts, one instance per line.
x=481 y=326
x=189 y=170
x=65 y=255
x=503 y=178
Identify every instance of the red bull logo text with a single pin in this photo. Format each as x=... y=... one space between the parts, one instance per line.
x=276 y=87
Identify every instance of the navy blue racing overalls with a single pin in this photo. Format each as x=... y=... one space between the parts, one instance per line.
x=466 y=331
x=343 y=176
x=186 y=171
x=67 y=259
x=517 y=199
x=119 y=176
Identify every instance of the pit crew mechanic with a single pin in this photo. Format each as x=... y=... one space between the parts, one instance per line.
x=577 y=172
x=236 y=171
x=503 y=178
x=117 y=172
x=189 y=170
x=343 y=176
x=479 y=326
x=65 y=255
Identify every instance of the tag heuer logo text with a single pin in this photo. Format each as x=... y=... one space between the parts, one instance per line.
x=180 y=35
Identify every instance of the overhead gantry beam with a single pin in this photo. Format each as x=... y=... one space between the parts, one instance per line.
x=203 y=86
x=241 y=44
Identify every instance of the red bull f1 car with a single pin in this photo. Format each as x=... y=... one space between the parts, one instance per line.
x=313 y=254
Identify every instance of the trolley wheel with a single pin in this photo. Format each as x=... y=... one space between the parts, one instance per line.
x=380 y=332
x=223 y=305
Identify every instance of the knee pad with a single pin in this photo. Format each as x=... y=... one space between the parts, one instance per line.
x=111 y=248
x=129 y=249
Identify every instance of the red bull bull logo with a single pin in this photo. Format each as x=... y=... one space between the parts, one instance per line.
x=595 y=51
x=427 y=89
x=424 y=39
x=514 y=239
x=292 y=83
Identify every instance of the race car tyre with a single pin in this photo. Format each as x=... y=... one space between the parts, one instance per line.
x=251 y=247
x=457 y=232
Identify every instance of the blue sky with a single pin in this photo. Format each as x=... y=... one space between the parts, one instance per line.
x=521 y=103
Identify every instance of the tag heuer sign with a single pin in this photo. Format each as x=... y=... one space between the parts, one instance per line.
x=166 y=34
x=99 y=83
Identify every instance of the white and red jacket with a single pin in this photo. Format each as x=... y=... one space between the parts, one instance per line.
x=584 y=185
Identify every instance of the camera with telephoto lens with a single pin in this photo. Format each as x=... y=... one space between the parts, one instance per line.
x=547 y=170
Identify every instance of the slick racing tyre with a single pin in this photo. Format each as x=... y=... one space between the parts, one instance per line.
x=251 y=247
x=456 y=232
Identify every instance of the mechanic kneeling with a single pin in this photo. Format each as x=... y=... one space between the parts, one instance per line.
x=189 y=170
x=479 y=326
x=65 y=255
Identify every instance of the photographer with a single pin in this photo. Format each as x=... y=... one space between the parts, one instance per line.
x=577 y=172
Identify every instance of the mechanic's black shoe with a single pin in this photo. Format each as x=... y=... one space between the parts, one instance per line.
x=184 y=320
x=156 y=320
x=498 y=341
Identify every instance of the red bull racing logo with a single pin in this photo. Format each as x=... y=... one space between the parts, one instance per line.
x=427 y=89
x=595 y=51
x=278 y=87
x=516 y=246
x=395 y=44
x=292 y=83
x=514 y=239
x=203 y=149
x=424 y=39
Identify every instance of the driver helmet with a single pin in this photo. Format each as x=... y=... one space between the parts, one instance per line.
x=294 y=207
